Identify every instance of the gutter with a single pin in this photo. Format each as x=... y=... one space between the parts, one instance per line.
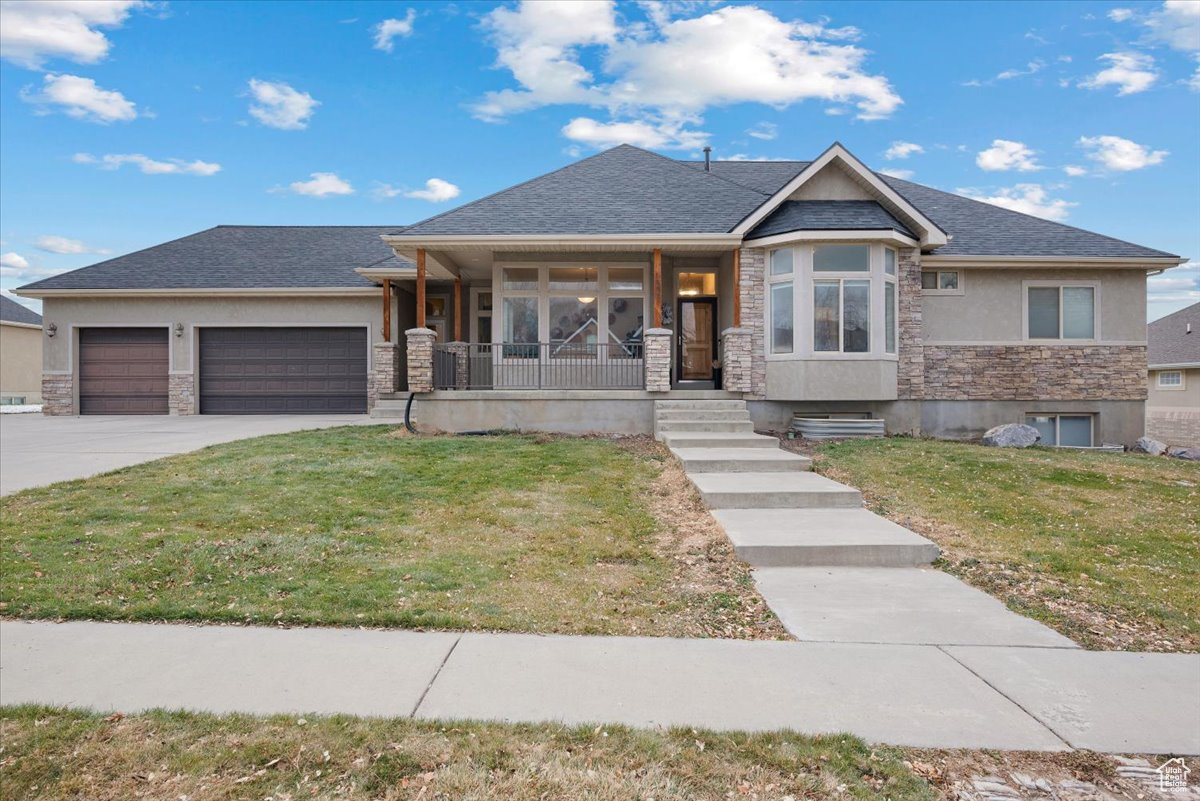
x=277 y=292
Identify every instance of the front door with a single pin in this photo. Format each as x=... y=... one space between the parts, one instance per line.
x=696 y=345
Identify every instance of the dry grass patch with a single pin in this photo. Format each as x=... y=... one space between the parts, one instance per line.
x=1103 y=547
x=54 y=754
x=358 y=526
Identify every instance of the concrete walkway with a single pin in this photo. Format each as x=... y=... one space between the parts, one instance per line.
x=37 y=450
x=1007 y=698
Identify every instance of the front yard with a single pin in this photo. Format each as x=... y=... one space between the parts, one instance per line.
x=364 y=526
x=1103 y=547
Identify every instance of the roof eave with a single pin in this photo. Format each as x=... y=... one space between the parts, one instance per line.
x=79 y=292
x=1000 y=261
x=1174 y=366
x=835 y=235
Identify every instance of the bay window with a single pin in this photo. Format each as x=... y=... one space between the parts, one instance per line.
x=848 y=291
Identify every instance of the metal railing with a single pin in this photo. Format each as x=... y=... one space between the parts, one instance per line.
x=538 y=365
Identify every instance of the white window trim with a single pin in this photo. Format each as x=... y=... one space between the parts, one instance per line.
x=1093 y=285
x=1057 y=436
x=958 y=291
x=802 y=277
x=1171 y=387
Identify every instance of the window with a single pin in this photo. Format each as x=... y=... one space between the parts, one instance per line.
x=782 y=262
x=520 y=322
x=841 y=258
x=782 y=317
x=1063 y=430
x=1061 y=312
x=842 y=316
x=889 y=261
x=889 y=316
x=944 y=282
x=1170 y=379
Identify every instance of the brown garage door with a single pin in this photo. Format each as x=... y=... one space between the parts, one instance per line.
x=123 y=370
x=283 y=370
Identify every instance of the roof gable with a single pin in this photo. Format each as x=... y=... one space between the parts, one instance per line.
x=624 y=190
x=828 y=215
x=1168 y=340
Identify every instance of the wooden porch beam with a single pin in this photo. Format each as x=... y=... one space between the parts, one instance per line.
x=656 y=294
x=420 y=287
x=737 y=288
x=458 y=310
x=387 y=310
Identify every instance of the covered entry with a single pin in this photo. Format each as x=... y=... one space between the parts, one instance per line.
x=310 y=370
x=123 y=370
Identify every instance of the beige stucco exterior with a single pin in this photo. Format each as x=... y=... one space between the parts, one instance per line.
x=21 y=361
x=1173 y=414
x=991 y=306
x=1185 y=397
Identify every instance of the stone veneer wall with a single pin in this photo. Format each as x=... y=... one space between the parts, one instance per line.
x=657 y=355
x=737 y=360
x=1035 y=372
x=1174 y=426
x=420 y=359
x=386 y=371
x=58 y=393
x=910 y=370
x=752 y=291
x=181 y=393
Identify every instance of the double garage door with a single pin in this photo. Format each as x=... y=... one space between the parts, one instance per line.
x=241 y=370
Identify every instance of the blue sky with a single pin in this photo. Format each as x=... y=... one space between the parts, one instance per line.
x=126 y=123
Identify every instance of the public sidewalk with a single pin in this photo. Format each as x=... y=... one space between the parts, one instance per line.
x=918 y=695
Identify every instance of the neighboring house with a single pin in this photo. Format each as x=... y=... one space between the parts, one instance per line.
x=574 y=300
x=1173 y=351
x=20 y=354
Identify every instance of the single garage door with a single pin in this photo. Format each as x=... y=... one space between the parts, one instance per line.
x=123 y=370
x=283 y=370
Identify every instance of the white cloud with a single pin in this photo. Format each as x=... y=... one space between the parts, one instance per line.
x=37 y=30
x=1177 y=25
x=1120 y=154
x=1032 y=67
x=902 y=150
x=14 y=261
x=1025 y=198
x=386 y=31
x=61 y=244
x=903 y=175
x=1120 y=14
x=764 y=130
x=1178 y=285
x=665 y=73
x=114 y=161
x=82 y=99
x=650 y=134
x=436 y=191
x=322 y=184
x=1075 y=170
x=1129 y=71
x=278 y=105
x=1007 y=155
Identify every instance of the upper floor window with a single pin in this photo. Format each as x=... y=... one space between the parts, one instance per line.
x=1061 y=312
x=946 y=282
x=1170 y=379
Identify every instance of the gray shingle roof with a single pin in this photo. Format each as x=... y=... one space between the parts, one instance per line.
x=1167 y=340
x=765 y=176
x=827 y=215
x=981 y=229
x=13 y=312
x=241 y=257
x=625 y=190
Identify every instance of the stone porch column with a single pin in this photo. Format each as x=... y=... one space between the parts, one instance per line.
x=752 y=293
x=737 y=360
x=910 y=378
x=462 y=374
x=420 y=359
x=658 y=359
x=384 y=378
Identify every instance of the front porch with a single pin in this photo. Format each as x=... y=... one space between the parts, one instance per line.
x=558 y=321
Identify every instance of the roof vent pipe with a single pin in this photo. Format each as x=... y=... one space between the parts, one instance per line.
x=707 y=158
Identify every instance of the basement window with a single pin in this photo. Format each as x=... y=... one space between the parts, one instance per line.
x=1063 y=430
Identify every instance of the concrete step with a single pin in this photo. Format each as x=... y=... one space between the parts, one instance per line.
x=740 y=460
x=799 y=490
x=706 y=426
x=822 y=537
x=698 y=439
x=672 y=415
x=920 y=606
x=699 y=404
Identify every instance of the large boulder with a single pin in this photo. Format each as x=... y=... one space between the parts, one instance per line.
x=1150 y=446
x=1191 y=454
x=1011 y=435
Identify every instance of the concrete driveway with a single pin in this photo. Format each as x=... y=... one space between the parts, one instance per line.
x=37 y=450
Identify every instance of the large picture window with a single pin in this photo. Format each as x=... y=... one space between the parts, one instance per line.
x=1061 y=312
x=842 y=316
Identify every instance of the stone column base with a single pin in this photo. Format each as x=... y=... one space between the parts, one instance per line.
x=386 y=371
x=420 y=359
x=58 y=394
x=657 y=342
x=181 y=393
x=737 y=360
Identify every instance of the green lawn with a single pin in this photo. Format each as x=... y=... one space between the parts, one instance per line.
x=55 y=754
x=1104 y=547
x=365 y=526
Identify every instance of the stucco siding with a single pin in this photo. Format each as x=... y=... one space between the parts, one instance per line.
x=1173 y=415
x=991 y=306
x=21 y=362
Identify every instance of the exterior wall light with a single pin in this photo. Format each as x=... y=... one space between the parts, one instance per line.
x=51 y=330
x=178 y=329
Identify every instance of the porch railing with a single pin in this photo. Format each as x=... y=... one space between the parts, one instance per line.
x=538 y=365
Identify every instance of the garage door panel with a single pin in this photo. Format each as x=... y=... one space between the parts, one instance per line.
x=283 y=370
x=123 y=370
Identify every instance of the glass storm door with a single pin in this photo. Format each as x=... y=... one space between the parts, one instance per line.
x=697 y=341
